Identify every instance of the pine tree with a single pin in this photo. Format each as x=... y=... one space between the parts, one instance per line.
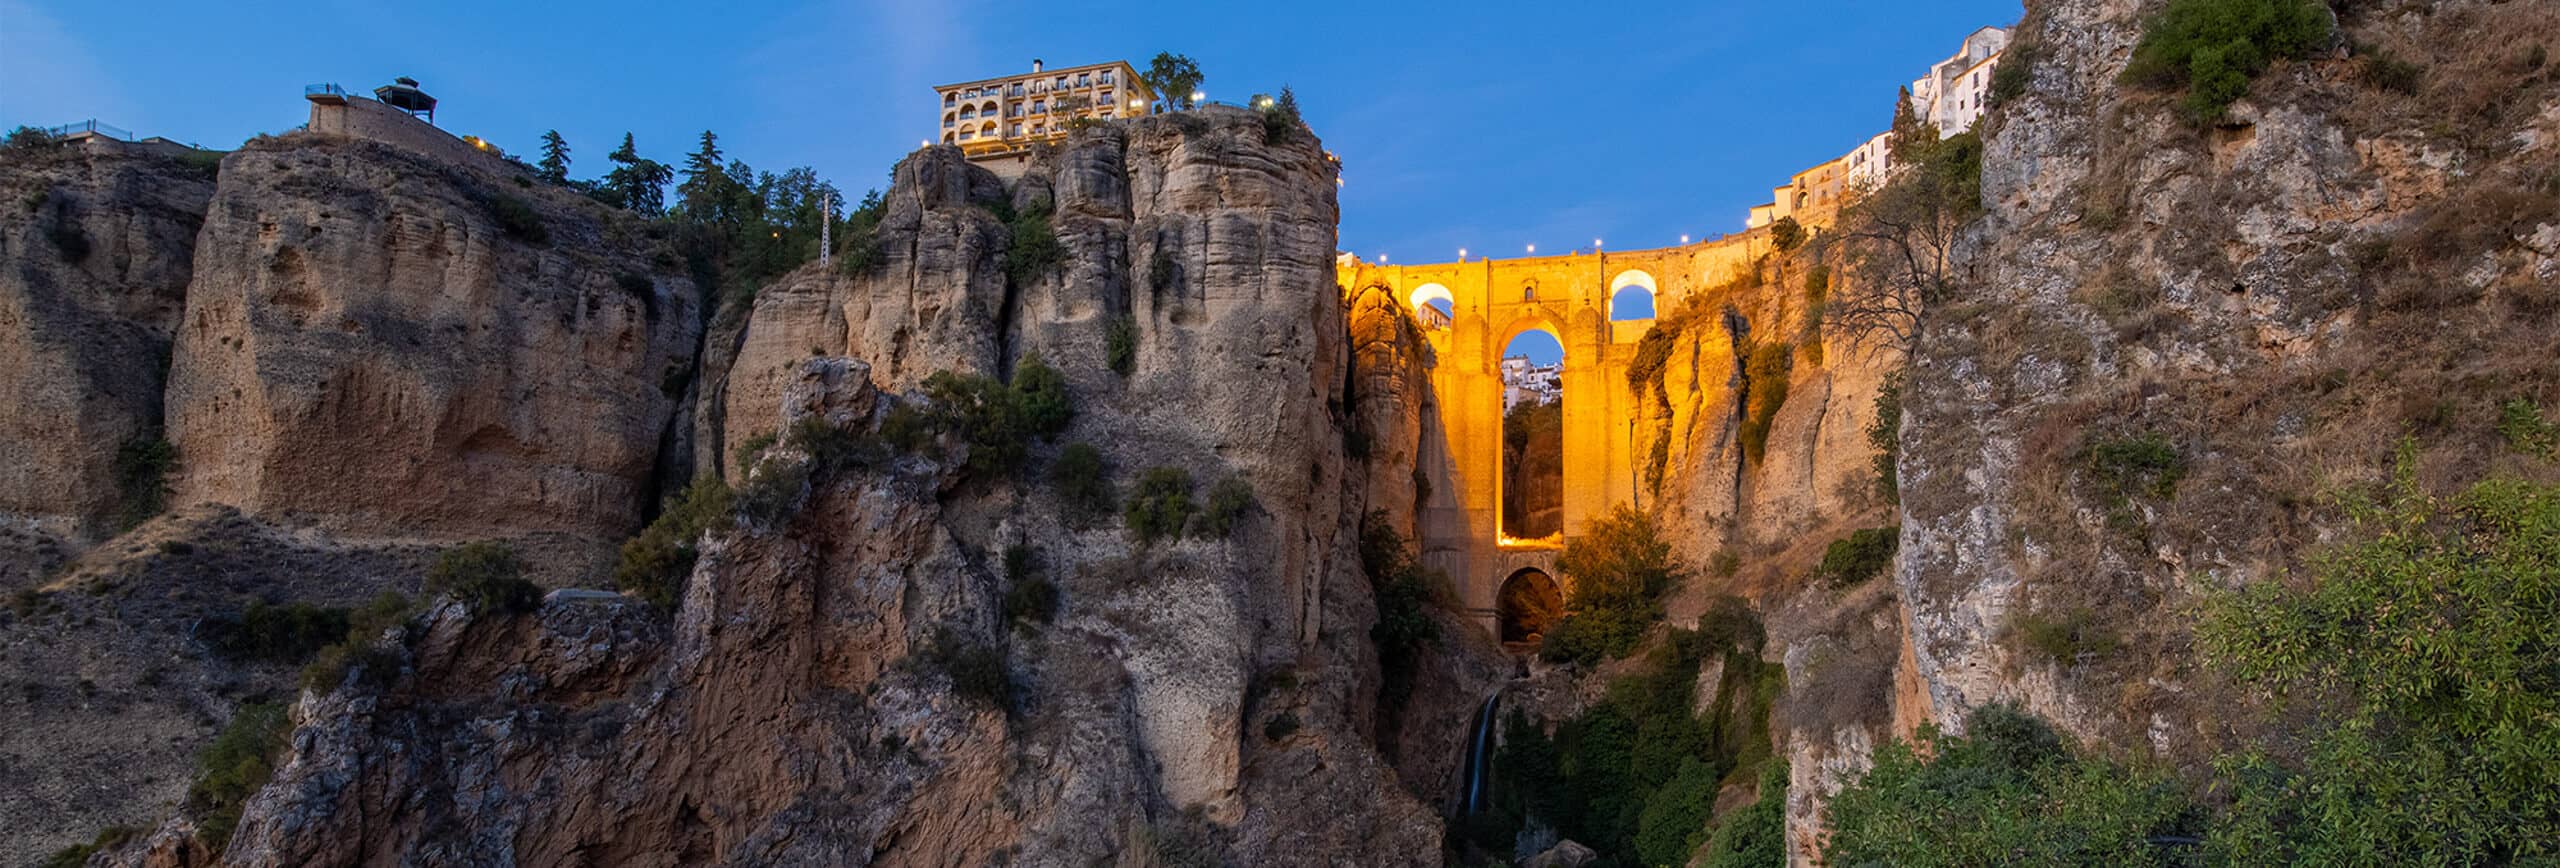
x=638 y=183
x=555 y=157
x=706 y=192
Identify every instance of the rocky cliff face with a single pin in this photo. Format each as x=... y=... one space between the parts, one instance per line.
x=99 y=242
x=815 y=697
x=387 y=345
x=2172 y=345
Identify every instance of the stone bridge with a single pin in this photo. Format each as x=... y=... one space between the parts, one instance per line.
x=1490 y=302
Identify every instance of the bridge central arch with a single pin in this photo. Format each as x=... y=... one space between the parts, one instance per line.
x=1607 y=431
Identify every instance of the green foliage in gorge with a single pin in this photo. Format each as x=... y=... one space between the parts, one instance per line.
x=1620 y=567
x=2009 y=791
x=2423 y=655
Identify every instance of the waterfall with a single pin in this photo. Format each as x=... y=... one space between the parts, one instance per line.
x=1475 y=786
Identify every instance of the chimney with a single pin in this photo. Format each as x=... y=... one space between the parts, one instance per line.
x=1035 y=64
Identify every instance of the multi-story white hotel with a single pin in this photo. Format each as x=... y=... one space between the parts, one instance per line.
x=996 y=121
x=1950 y=96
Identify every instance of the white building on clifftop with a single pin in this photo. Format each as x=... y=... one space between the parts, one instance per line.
x=1951 y=96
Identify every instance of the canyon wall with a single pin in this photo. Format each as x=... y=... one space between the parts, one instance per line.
x=1192 y=697
x=386 y=345
x=99 y=241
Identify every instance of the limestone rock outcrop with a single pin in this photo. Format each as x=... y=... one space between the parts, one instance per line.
x=845 y=679
x=386 y=345
x=98 y=240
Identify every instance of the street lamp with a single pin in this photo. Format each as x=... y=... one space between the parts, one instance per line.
x=1595 y=245
x=1462 y=254
x=1684 y=238
x=1197 y=97
x=1533 y=250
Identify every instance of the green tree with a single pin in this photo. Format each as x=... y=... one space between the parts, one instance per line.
x=1174 y=77
x=1620 y=567
x=555 y=157
x=710 y=193
x=636 y=183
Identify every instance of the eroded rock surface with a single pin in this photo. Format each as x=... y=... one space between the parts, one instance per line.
x=389 y=346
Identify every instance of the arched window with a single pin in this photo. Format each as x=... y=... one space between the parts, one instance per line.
x=950 y=98
x=1432 y=304
x=1531 y=369
x=967 y=112
x=1631 y=296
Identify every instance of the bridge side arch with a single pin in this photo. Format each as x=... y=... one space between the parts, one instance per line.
x=1422 y=296
x=1634 y=295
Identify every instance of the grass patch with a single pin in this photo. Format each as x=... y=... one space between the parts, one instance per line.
x=2520 y=421
x=290 y=633
x=2064 y=639
x=1035 y=250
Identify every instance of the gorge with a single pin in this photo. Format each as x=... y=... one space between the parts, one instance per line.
x=375 y=502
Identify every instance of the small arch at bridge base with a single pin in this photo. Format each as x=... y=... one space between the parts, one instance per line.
x=1526 y=608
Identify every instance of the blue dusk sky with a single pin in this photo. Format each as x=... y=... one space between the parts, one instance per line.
x=1488 y=126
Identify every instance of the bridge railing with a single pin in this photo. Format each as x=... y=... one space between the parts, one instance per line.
x=90 y=126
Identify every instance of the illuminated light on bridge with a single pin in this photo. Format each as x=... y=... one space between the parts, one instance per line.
x=1550 y=541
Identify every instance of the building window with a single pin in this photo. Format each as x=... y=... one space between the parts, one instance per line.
x=1085 y=80
x=967 y=112
x=950 y=98
x=1106 y=76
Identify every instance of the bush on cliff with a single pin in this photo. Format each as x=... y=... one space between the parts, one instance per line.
x=142 y=473
x=655 y=563
x=1863 y=554
x=1621 y=567
x=1083 y=484
x=486 y=576
x=1403 y=590
x=2213 y=48
x=997 y=422
x=234 y=767
x=1767 y=375
x=1161 y=505
x=289 y=633
x=1035 y=250
x=1229 y=500
x=518 y=219
x=359 y=647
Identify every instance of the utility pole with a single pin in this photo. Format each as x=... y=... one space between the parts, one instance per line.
x=826 y=227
